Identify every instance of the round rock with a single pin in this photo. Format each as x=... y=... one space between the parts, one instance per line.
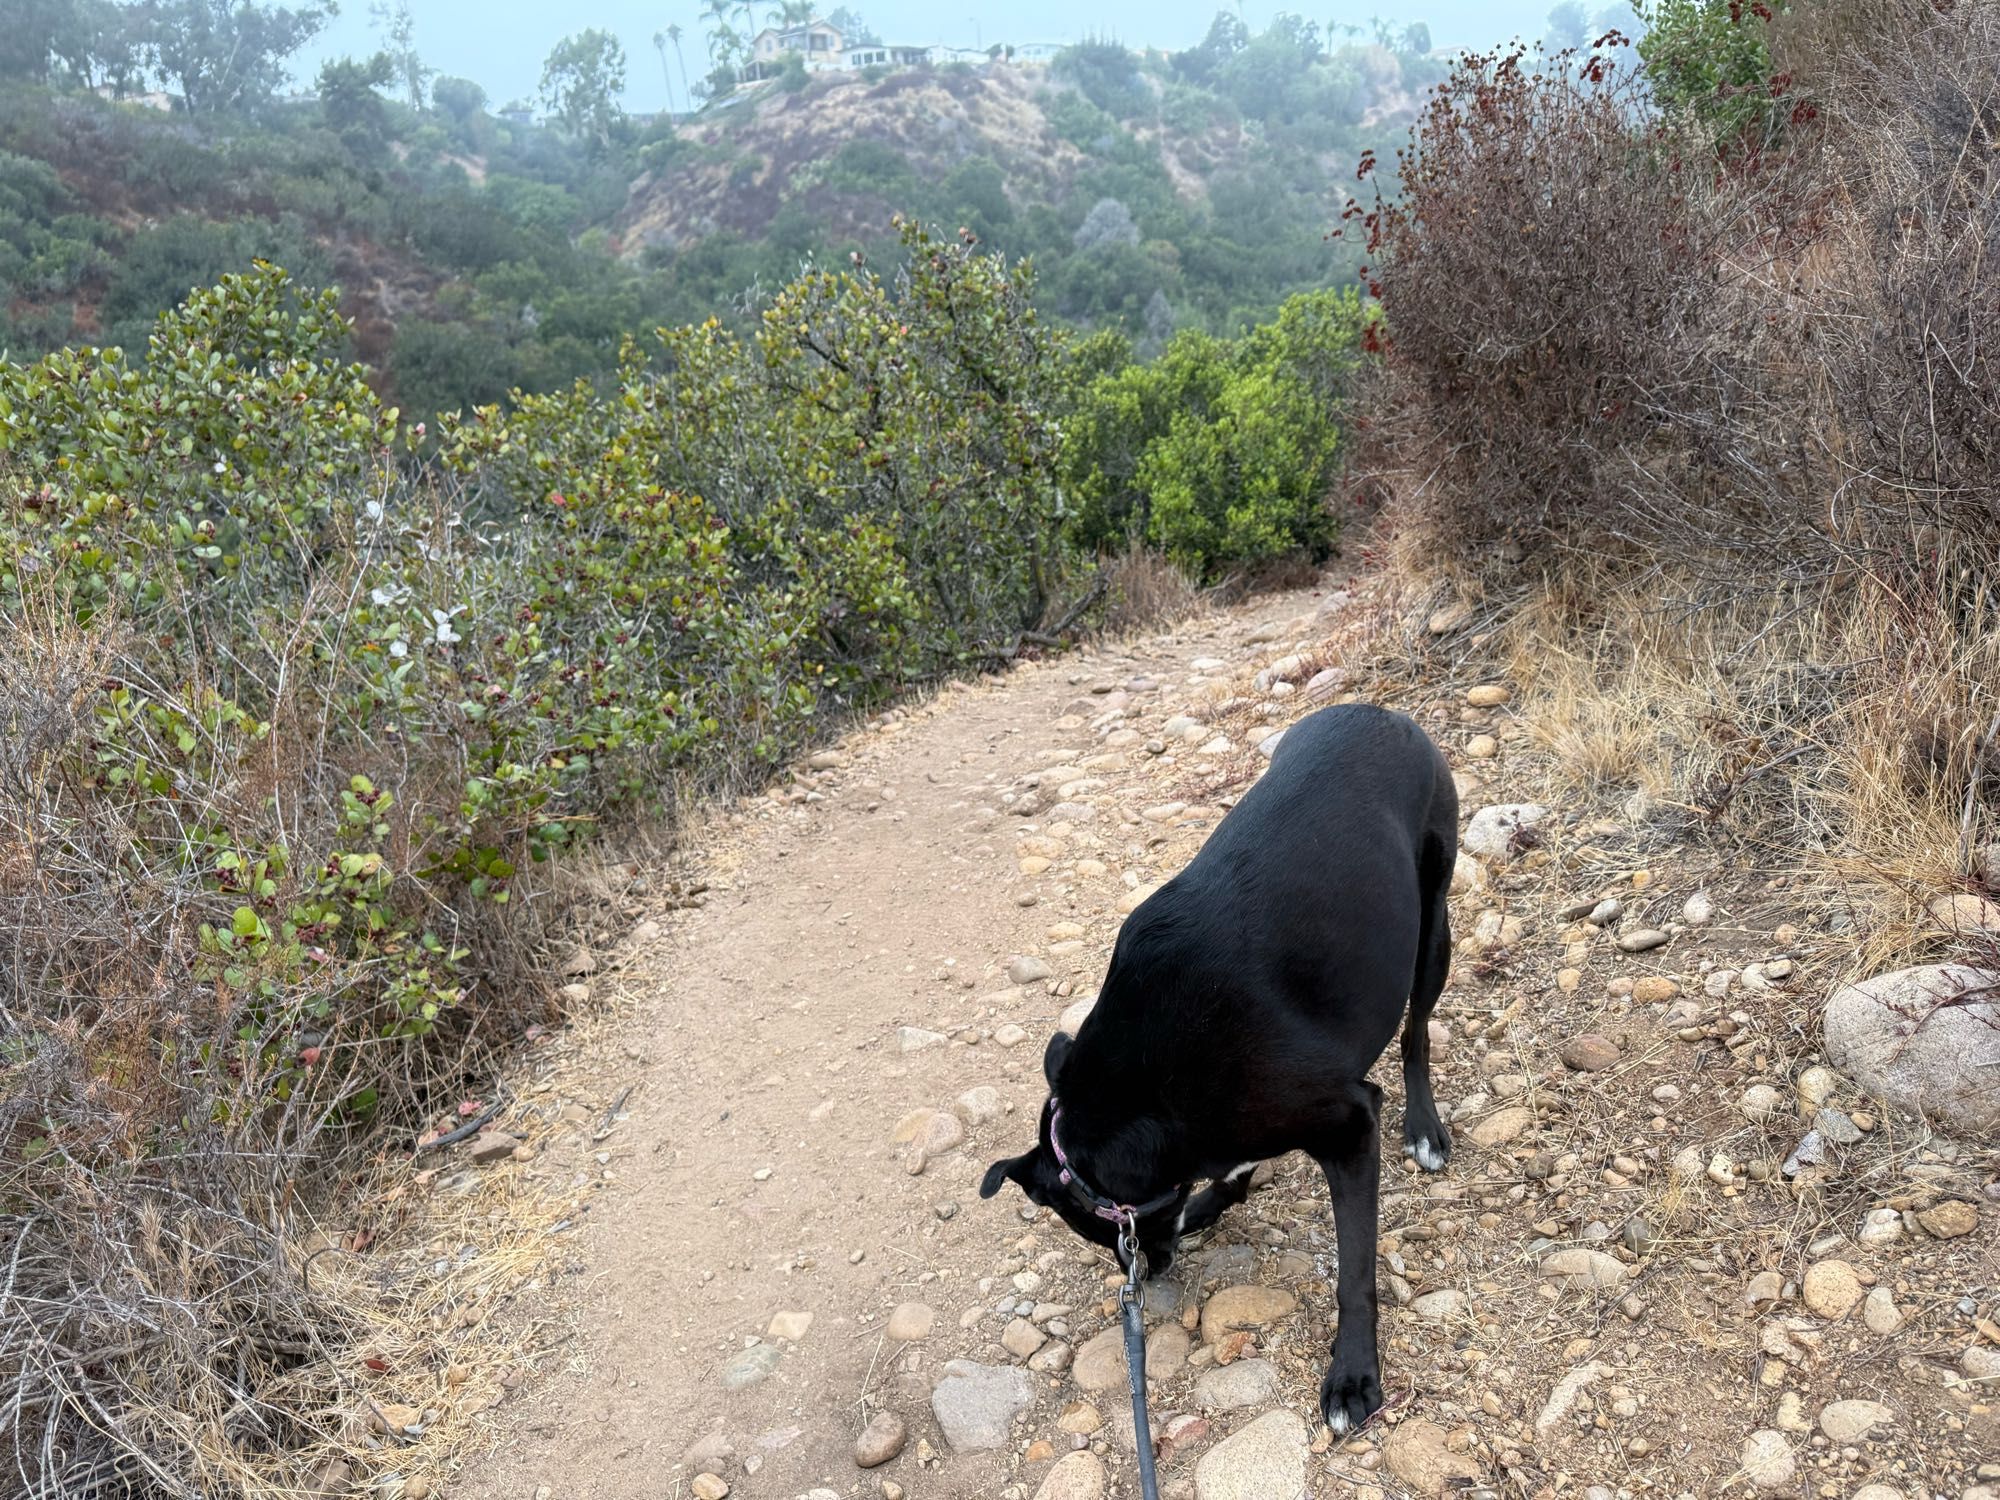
x=1851 y=1421
x=1237 y=1307
x=1830 y=1289
x=1441 y=1307
x=976 y=1404
x=1763 y=1104
x=881 y=1440
x=1418 y=1452
x=1247 y=1382
x=1076 y=1476
x=1022 y=1338
x=1492 y=832
x=911 y=1321
x=1910 y=1039
x=1949 y=1219
x=1767 y=1460
x=1590 y=1052
x=1591 y=1269
x=1880 y=1313
x=1265 y=1461
x=1503 y=1125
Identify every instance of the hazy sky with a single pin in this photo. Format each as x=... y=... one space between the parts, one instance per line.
x=501 y=43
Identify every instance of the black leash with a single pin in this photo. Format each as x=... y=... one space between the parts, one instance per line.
x=1131 y=1302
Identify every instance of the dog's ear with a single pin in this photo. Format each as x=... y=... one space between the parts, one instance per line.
x=1052 y=1058
x=1016 y=1167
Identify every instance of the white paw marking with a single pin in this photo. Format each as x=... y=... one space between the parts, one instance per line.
x=1338 y=1422
x=1426 y=1151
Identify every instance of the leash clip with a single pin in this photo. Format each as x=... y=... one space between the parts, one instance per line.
x=1135 y=1259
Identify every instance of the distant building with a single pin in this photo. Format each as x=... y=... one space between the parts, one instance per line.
x=818 y=42
x=823 y=49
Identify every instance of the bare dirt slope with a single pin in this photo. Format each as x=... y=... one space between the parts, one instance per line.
x=1605 y=1294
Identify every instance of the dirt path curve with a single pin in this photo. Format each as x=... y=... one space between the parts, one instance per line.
x=759 y=1178
x=1641 y=1275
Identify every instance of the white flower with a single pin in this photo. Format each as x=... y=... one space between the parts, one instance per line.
x=399 y=648
x=445 y=634
x=374 y=510
x=221 y=467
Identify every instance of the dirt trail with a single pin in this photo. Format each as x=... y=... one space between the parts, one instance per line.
x=758 y=1159
x=763 y=1224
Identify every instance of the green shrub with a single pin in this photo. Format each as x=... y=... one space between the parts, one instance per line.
x=1108 y=76
x=1712 y=58
x=1218 y=452
x=287 y=721
x=161 y=265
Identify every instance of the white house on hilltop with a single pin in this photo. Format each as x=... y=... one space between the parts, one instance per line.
x=823 y=49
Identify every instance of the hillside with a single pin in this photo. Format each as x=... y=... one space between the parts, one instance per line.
x=1153 y=191
x=479 y=252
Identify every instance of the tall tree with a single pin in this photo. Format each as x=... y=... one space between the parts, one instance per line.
x=399 y=30
x=229 y=55
x=32 y=37
x=674 y=36
x=581 y=82
x=666 y=77
x=1567 y=27
x=722 y=38
x=350 y=103
x=852 y=26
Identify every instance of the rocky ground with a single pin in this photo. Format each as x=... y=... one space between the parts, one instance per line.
x=1677 y=1252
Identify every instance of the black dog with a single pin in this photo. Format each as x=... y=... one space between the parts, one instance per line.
x=1246 y=1000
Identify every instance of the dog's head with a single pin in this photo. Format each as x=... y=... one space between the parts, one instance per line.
x=1040 y=1176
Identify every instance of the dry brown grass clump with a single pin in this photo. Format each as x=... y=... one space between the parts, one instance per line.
x=1146 y=591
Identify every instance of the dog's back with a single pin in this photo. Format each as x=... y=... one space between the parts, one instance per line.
x=1290 y=941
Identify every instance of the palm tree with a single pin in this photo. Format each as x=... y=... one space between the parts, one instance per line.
x=674 y=36
x=721 y=35
x=660 y=46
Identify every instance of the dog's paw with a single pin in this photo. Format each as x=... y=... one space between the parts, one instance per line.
x=1349 y=1398
x=1432 y=1150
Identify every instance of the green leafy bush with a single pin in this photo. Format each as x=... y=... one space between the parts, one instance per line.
x=1712 y=58
x=1218 y=452
x=288 y=719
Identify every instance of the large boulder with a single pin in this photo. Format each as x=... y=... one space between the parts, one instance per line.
x=1926 y=1040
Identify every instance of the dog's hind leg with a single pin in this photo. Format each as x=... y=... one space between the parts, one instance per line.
x=1424 y=1134
x=1350 y=1155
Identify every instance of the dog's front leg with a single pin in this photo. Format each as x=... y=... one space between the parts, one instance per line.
x=1352 y=1391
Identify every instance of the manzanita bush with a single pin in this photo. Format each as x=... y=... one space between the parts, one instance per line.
x=348 y=698
x=290 y=699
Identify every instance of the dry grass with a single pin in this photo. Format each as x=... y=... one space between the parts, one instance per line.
x=1147 y=591
x=1914 y=794
x=1841 y=734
